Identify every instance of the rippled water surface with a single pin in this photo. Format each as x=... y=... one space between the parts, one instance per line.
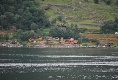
x=58 y=64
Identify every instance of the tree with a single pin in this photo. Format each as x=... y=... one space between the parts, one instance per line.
x=110 y=27
x=116 y=20
x=87 y=0
x=117 y=2
x=24 y=36
x=108 y=2
x=34 y=26
x=6 y=36
x=96 y=1
x=57 y=32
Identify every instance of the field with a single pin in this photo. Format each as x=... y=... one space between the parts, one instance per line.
x=103 y=38
x=85 y=14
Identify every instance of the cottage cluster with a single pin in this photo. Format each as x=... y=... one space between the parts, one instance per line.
x=53 y=42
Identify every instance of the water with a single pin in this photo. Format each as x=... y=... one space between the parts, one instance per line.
x=58 y=64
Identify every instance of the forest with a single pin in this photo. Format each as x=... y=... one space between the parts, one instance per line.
x=22 y=14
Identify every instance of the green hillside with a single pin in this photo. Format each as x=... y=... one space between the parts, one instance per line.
x=85 y=14
x=21 y=20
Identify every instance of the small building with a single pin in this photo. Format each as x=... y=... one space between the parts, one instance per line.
x=116 y=32
x=51 y=43
x=56 y=38
x=67 y=41
x=49 y=38
x=31 y=39
x=60 y=43
x=40 y=38
x=75 y=41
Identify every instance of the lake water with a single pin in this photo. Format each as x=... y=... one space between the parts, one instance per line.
x=58 y=64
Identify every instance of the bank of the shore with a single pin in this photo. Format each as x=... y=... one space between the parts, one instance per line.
x=53 y=46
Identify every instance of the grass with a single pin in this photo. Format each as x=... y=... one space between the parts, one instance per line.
x=87 y=13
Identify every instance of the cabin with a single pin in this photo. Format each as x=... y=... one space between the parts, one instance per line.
x=60 y=43
x=51 y=43
x=31 y=39
x=40 y=38
x=71 y=40
x=67 y=41
x=56 y=38
x=75 y=41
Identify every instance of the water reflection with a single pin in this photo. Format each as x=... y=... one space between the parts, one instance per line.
x=58 y=66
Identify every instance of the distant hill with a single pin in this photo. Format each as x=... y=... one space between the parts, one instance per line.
x=80 y=12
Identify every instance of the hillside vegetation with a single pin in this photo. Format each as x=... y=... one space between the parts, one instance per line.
x=22 y=14
x=21 y=20
x=85 y=14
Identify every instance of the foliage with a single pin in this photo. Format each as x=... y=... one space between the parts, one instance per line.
x=96 y=1
x=110 y=27
x=87 y=0
x=34 y=26
x=24 y=36
x=85 y=40
x=67 y=32
x=117 y=2
x=23 y=14
x=89 y=13
x=108 y=2
x=4 y=37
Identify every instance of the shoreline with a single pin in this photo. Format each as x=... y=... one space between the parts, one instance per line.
x=63 y=47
